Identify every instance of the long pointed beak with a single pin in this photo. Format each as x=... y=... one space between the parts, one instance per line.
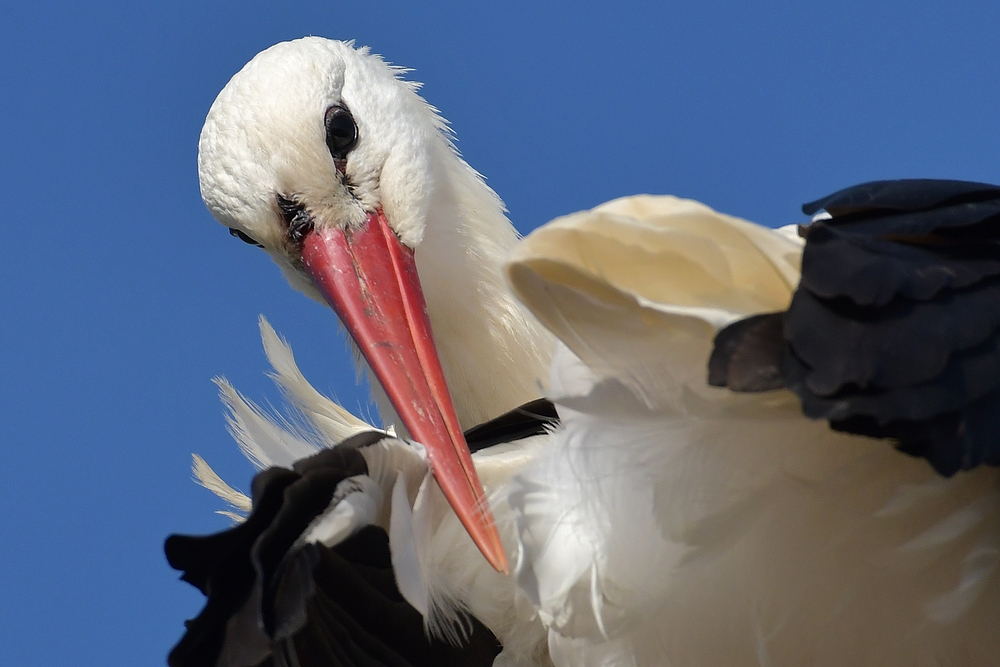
x=370 y=279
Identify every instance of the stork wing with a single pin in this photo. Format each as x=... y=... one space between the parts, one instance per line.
x=638 y=287
x=672 y=522
x=894 y=330
x=278 y=597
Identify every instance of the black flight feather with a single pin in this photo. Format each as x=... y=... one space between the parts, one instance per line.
x=748 y=354
x=894 y=330
x=909 y=194
x=274 y=602
x=532 y=418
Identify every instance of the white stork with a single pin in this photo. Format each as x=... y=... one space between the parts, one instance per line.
x=665 y=521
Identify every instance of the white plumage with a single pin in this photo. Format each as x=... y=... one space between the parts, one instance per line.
x=665 y=522
x=722 y=528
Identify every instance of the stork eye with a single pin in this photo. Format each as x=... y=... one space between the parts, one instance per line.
x=341 y=132
x=243 y=237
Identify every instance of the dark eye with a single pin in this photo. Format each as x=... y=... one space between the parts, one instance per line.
x=243 y=237
x=341 y=132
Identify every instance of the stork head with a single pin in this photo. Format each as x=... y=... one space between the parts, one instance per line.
x=321 y=155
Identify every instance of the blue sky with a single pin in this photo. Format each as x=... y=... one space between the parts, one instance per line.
x=121 y=297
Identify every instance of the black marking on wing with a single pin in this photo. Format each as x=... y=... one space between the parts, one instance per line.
x=908 y=194
x=269 y=598
x=748 y=355
x=894 y=330
x=532 y=418
x=357 y=616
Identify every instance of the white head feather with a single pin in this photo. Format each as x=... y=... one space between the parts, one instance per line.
x=265 y=137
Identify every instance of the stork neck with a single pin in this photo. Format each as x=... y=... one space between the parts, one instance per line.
x=494 y=354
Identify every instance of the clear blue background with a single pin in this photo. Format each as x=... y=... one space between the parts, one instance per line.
x=121 y=298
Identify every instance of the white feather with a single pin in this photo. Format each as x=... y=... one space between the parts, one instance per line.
x=356 y=502
x=208 y=478
x=329 y=418
x=314 y=422
x=264 y=441
x=724 y=529
x=405 y=549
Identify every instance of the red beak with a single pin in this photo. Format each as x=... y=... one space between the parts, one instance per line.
x=370 y=279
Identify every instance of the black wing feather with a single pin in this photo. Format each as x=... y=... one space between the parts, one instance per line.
x=274 y=602
x=873 y=270
x=902 y=344
x=910 y=194
x=894 y=330
x=748 y=355
x=532 y=418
